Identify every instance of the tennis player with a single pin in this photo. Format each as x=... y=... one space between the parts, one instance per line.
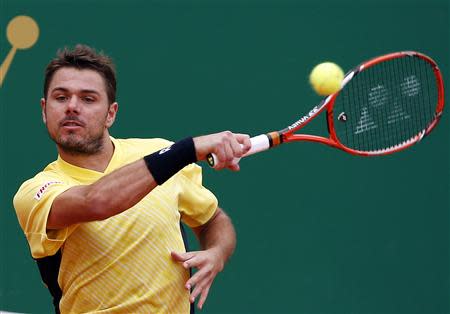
x=103 y=220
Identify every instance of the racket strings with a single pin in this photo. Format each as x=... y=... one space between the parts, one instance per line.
x=387 y=105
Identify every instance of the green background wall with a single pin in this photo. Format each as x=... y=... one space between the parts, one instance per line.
x=349 y=235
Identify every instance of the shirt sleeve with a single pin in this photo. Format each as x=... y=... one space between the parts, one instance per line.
x=32 y=203
x=196 y=203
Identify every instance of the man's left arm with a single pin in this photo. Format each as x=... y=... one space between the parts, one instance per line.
x=218 y=241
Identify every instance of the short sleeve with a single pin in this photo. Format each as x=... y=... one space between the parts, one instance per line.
x=196 y=203
x=32 y=203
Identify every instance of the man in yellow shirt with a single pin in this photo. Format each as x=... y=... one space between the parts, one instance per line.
x=103 y=220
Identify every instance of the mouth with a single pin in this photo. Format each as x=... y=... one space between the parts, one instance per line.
x=71 y=124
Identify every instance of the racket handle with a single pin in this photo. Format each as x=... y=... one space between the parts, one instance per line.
x=259 y=144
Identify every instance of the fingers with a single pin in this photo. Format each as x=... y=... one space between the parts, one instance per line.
x=201 y=290
x=221 y=157
x=234 y=167
x=244 y=140
x=198 y=277
x=203 y=297
x=186 y=259
x=208 y=265
x=201 y=281
x=240 y=144
x=230 y=149
x=227 y=149
x=182 y=257
x=227 y=146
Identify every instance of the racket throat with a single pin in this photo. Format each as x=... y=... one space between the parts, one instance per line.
x=275 y=138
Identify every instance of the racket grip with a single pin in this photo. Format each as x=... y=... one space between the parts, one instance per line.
x=259 y=143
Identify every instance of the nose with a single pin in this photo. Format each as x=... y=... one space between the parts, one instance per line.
x=73 y=104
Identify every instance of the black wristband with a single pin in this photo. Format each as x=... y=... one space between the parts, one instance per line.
x=166 y=162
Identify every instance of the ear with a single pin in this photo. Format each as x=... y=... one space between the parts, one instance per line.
x=111 y=117
x=43 y=104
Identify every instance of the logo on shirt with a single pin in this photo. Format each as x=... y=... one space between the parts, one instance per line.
x=43 y=188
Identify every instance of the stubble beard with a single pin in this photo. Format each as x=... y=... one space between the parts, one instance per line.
x=74 y=145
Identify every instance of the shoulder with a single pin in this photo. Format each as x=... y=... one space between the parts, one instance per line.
x=49 y=173
x=40 y=182
x=141 y=145
x=45 y=185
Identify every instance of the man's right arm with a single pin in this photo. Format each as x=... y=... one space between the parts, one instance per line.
x=110 y=195
x=125 y=187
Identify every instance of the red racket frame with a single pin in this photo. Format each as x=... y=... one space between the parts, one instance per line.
x=287 y=135
x=265 y=141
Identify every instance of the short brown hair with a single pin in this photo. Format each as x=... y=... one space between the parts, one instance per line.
x=84 y=57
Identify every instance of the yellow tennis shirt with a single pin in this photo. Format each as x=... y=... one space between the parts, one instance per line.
x=121 y=264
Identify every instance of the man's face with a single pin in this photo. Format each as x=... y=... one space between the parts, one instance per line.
x=76 y=111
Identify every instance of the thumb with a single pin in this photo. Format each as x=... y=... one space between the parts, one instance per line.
x=181 y=257
x=234 y=167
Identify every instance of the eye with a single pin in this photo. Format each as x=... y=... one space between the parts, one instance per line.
x=88 y=99
x=61 y=98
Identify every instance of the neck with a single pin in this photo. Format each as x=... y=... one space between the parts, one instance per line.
x=97 y=162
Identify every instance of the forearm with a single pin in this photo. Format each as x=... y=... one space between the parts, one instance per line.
x=122 y=189
x=110 y=195
x=218 y=235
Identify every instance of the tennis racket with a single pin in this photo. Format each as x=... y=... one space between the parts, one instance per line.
x=385 y=105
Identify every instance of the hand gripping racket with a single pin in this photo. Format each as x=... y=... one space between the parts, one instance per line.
x=384 y=105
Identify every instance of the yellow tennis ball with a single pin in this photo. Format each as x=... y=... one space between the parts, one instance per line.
x=326 y=78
